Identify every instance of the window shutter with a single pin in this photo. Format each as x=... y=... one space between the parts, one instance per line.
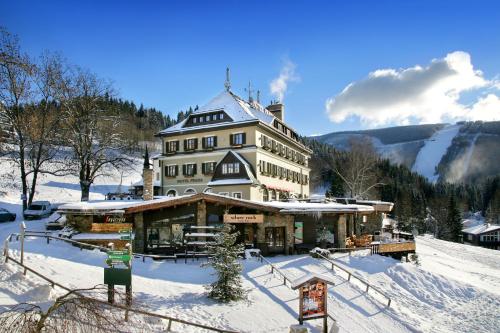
x=203 y=143
x=184 y=169
x=176 y=168
x=204 y=168
x=244 y=139
x=176 y=145
x=195 y=143
x=215 y=141
x=194 y=169
x=185 y=144
x=231 y=139
x=166 y=171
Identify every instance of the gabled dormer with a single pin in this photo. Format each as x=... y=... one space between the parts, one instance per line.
x=233 y=169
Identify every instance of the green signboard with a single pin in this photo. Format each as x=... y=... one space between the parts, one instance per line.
x=119 y=257
x=125 y=231
x=118 y=276
x=125 y=237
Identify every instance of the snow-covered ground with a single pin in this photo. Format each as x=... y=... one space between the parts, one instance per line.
x=456 y=288
x=433 y=151
x=61 y=189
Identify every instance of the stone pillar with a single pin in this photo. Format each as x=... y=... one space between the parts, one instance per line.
x=341 y=234
x=147 y=192
x=201 y=213
x=139 y=241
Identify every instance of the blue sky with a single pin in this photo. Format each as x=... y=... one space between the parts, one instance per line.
x=171 y=55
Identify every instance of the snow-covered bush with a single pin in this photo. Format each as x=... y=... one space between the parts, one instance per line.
x=319 y=251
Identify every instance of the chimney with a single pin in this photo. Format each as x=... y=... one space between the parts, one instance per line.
x=278 y=110
x=147 y=178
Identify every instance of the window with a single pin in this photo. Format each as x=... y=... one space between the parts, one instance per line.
x=230 y=168
x=190 y=144
x=207 y=117
x=195 y=120
x=237 y=195
x=238 y=139
x=171 y=170
x=171 y=193
x=190 y=191
x=273 y=195
x=208 y=168
x=207 y=190
x=172 y=146
x=265 y=195
x=209 y=142
x=189 y=169
x=221 y=116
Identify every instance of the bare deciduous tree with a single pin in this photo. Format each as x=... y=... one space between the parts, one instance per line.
x=93 y=132
x=357 y=168
x=29 y=112
x=76 y=311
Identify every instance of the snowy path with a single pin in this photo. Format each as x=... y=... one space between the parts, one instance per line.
x=354 y=310
x=433 y=151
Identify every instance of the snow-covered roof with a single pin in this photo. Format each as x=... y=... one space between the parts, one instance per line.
x=108 y=206
x=481 y=229
x=98 y=236
x=311 y=276
x=328 y=207
x=235 y=107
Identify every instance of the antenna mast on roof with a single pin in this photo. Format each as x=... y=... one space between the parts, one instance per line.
x=227 y=84
x=249 y=90
x=258 y=96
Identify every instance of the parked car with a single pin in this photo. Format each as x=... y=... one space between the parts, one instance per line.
x=5 y=215
x=38 y=210
x=55 y=221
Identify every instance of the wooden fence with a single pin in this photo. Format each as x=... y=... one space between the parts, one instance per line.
x=127 y=310
x=351 y=274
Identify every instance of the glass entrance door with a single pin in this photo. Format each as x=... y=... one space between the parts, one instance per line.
x=275 y=239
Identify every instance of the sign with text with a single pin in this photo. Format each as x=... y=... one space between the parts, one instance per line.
x=243 y=218
x=313 y=300
x=114 y=219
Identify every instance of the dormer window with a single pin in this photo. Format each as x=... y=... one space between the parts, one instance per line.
x=195 y=120
x=230 y=168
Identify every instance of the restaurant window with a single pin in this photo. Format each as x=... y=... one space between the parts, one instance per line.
x=171 y=193
x=230 y=168
x=237 y=195
x=273 y=195
x=265 y=195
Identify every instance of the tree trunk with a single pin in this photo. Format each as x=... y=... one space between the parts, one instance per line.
x=85 y=187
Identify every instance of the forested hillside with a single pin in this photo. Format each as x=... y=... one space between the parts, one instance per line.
x=142 y=123
x=429 y=207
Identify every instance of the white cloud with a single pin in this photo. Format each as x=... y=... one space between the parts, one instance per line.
x=417 y=95
x=279 y=85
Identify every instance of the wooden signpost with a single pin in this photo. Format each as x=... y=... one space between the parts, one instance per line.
x=313 y=292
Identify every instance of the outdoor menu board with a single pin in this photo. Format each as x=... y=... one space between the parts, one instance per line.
x=313 y=300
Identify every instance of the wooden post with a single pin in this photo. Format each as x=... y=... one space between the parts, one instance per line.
x=6 y=249
x=128 y=297
x=111 y=294
x=23 y=228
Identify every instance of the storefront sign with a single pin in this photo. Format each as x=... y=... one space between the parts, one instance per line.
x=190 y=180
x=243 y=218
x=118 y=276
x=114 y=219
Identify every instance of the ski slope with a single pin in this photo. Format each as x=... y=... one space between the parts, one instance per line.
x=432 y=152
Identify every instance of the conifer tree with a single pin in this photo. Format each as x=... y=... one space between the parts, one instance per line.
x=454 y=220
x=228 y=286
